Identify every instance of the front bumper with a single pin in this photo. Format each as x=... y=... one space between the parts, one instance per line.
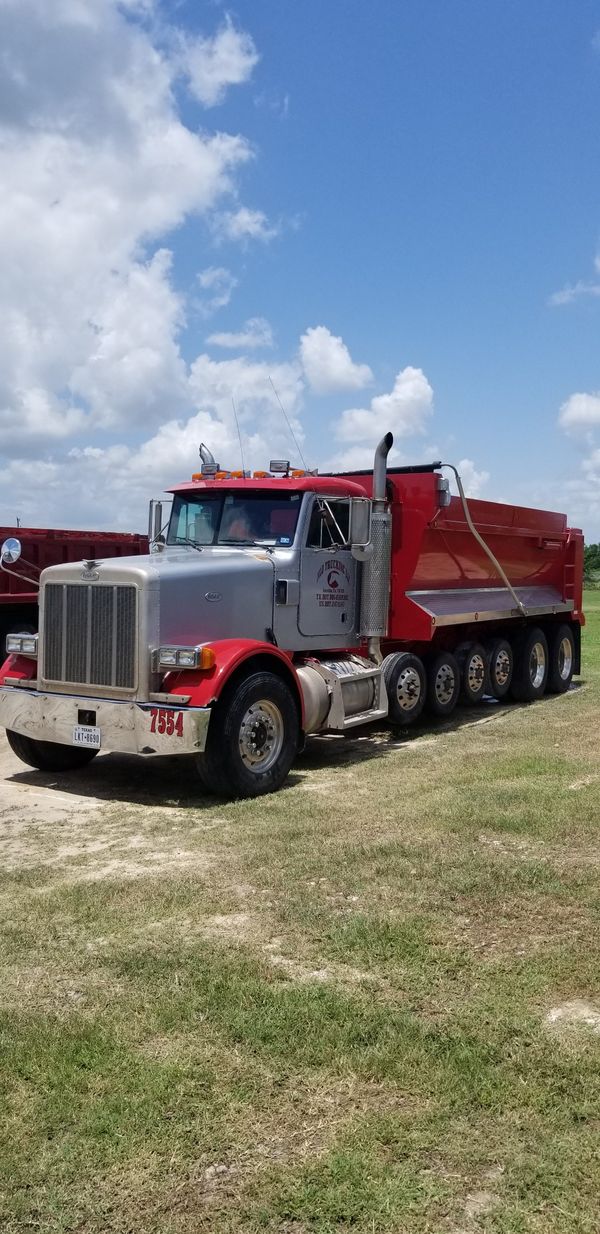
x=132 y=728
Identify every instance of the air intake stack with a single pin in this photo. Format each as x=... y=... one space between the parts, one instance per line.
x=375 y=591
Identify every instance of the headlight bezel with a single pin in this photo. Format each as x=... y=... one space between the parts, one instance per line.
x=176 y=658
x=25 y=644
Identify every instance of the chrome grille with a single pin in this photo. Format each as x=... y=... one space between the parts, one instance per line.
x=90 y=634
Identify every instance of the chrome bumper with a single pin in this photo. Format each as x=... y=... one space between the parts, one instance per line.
x=132 y=728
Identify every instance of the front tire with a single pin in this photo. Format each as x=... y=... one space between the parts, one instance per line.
x=253 y=738
x=531 y=666
x=48 y=755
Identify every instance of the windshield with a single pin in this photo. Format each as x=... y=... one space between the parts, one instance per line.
x=234 y=518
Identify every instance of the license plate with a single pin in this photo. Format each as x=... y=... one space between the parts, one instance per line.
x=87 y=735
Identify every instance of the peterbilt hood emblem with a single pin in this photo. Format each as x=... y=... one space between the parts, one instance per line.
x=89 y=573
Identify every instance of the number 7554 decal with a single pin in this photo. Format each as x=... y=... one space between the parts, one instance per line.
x=166 y=721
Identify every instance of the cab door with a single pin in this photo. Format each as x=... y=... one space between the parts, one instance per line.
x=328 y=574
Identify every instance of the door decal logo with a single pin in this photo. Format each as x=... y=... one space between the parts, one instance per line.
x=333 y=584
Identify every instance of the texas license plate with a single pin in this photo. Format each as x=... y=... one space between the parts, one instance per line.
x=87 y=735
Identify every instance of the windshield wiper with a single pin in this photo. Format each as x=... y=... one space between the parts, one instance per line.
x=192 y=543
x=235 y=541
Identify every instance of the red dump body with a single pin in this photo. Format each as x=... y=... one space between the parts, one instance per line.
x=43 y=547
x=440 y=574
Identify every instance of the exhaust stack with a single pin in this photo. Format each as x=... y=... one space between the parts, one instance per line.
x=375 y=591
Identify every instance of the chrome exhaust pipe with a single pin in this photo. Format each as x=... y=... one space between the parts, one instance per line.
x=380 y=470
x=375 y=593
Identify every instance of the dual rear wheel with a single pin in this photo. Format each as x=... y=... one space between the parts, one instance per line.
x=525 y=667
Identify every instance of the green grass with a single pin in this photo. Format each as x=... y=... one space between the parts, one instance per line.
x=324 y=1011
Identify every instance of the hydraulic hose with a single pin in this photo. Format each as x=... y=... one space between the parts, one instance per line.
x=487 y=550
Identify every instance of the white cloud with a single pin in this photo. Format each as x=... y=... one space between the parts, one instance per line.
x=327 y=363
x=404 y=411
x=219 y=283
x=473 y=481
x=245 y=224
x=96 y=166
x=214 y=64
x=256 y=332
x=575 y=291
x=580 y=412
x=110 y=485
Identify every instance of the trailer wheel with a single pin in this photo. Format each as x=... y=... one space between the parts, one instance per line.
x=48 y=755
x=252 y=738
x=472 y=661
x=531 y=666
x=443 y=683
x=500 y=666
x=406 y=686
x=561 y=659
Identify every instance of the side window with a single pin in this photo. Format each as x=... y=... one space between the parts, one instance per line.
x=329 y=525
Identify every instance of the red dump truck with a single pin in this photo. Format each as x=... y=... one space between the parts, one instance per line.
x=285 y=603
x=42 y=547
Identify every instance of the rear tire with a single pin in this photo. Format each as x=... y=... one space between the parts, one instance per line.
x=443 y=683
x=48 y=755
x=531 y=666
x=406 y=686
x=253 y=738
x=500 y=666
x=561 y=659
x=473 y=667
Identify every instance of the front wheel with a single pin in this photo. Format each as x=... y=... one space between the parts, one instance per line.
x=252 y=738
x=48 y=755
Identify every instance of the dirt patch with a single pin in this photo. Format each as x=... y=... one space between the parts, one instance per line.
x=575 y=1014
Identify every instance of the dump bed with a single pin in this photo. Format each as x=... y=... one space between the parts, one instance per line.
x=42 y=547
x=442 y=576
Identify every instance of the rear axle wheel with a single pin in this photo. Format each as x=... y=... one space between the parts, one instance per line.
x=531 y=666
x=443 y=683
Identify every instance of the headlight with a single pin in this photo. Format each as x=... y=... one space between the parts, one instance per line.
x=184 y=657
x=22 y=645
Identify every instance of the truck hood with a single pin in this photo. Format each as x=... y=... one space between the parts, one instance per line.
x=190 y=596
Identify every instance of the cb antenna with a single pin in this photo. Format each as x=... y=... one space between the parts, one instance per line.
x=237 y=425
x=302 y=458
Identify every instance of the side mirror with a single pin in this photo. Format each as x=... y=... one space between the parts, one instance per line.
x=360 y=522
x=11 y=551
x=155 y=515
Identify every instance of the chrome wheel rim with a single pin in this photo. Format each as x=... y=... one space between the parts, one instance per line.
x=444 y=684
x=502 y=667
x=475 y=673
x=565 y=659
x=537 y=665
x=261 y=736
x=408 y=689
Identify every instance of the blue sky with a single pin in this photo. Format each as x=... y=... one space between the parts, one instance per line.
x=419 y=179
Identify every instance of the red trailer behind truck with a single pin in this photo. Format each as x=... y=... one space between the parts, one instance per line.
x=42 y=547
x=286 y=603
